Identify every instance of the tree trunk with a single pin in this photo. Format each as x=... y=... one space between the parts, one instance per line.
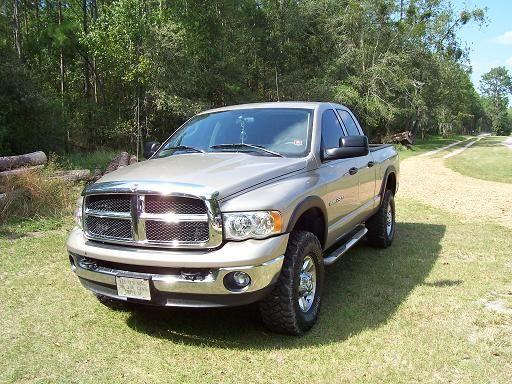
x=17 y=34
x=61 y=70
x=29 y=159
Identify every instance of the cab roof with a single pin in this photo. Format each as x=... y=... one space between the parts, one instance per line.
x=276 y=104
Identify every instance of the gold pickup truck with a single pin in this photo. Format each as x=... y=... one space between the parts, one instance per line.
x=241 y=204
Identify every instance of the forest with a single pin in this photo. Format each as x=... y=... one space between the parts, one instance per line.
x=83 y=75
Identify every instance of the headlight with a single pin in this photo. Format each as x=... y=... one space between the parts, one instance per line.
x=251 y=225
x=78 y=212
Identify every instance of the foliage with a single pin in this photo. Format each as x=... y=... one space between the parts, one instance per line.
x=109 y=73
x=29 y=113
x=495 y=86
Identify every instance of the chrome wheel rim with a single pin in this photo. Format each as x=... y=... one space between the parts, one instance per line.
x=307 y=284
x=389 y=220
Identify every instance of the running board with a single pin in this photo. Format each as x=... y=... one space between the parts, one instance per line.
x=338 y=252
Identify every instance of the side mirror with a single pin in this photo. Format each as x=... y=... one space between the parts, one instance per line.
x=350 y=146
x=150 y=147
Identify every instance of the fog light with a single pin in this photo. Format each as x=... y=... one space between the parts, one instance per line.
x=237 y=281
x=241 y=279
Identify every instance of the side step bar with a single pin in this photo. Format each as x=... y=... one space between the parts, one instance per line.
x=338 y=252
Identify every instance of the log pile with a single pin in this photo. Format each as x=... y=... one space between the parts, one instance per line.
x=8 y=163
x=11 y=166
x=120 y=161
x=405 y=138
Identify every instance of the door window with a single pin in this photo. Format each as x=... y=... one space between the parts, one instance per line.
x=349 y=123
x=331 y=130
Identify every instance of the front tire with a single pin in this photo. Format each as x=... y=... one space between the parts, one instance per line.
x=381 y=226
x=294 y=303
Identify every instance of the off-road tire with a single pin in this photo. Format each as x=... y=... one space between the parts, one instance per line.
x=378 y=234
x=280 y=311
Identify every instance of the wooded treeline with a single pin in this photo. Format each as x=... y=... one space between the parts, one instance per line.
x=91 y=73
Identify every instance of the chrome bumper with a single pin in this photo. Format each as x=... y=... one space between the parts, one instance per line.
x=165 y=288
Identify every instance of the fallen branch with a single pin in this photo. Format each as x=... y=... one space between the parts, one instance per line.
x=30 y=159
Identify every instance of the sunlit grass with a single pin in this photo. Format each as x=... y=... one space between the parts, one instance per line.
x=415 y=312
x=488 y=159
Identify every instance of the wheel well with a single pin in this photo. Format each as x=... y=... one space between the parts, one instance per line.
x=391 y=183
x=312 y=221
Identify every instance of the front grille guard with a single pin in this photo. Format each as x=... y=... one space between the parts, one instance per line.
x=138 y=216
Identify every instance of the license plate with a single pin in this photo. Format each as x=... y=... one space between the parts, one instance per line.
x=133 y=288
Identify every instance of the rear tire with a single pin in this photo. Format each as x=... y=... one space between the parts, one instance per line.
x=294 y=303
x=381 y=226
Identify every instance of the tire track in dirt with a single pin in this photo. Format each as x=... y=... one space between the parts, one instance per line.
x=429 y=181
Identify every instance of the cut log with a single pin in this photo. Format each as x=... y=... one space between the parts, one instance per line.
x=73 y=176
x=121 y=160
x=20 y=171
x=30 y=159
x=133 y=159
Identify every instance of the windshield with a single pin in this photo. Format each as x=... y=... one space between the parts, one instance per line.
x=284 y=131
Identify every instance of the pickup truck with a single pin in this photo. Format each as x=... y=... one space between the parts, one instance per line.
x=241 y=204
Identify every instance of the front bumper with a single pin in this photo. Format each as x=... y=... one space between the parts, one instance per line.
x=180 y=278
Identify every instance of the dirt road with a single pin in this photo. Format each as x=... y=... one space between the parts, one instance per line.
x=426 y=179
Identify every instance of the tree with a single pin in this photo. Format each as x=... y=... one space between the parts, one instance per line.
x=118 y=70
x=495 y=86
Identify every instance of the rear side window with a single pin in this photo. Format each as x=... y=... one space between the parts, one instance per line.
x=349 y=122
x=331 y=130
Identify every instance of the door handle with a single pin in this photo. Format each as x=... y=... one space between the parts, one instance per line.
x=353 y=170
x=370 y=164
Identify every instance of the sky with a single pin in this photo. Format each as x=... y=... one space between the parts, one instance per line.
x=490 y=45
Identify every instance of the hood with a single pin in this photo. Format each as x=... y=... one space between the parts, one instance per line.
x=226 y=173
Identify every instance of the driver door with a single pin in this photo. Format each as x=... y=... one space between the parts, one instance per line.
x=340 y=186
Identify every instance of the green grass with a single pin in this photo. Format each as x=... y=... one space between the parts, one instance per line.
x=421 y=146
x=89 y=160
x=489 y=159
x=415 y=312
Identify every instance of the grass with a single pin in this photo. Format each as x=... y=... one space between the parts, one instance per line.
x=35 y=196
x=415 y=312
x=430 y=143
x=91 y=160
x=488 y=159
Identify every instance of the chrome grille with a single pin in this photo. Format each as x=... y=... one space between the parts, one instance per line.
x=187 y=231
x=108 y=228
x=178 y=205
x=172 y=221
x=109 y=203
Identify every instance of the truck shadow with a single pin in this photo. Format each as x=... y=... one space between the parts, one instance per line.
x=363 y=290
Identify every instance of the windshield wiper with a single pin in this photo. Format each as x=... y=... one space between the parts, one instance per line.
x=186 y=148
x=244 y=145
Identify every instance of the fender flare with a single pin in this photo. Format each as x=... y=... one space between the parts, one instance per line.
x=391 y=169
x=305 y=205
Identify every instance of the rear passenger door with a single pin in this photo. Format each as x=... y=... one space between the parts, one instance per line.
x=340 y=192
x=364 y=164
